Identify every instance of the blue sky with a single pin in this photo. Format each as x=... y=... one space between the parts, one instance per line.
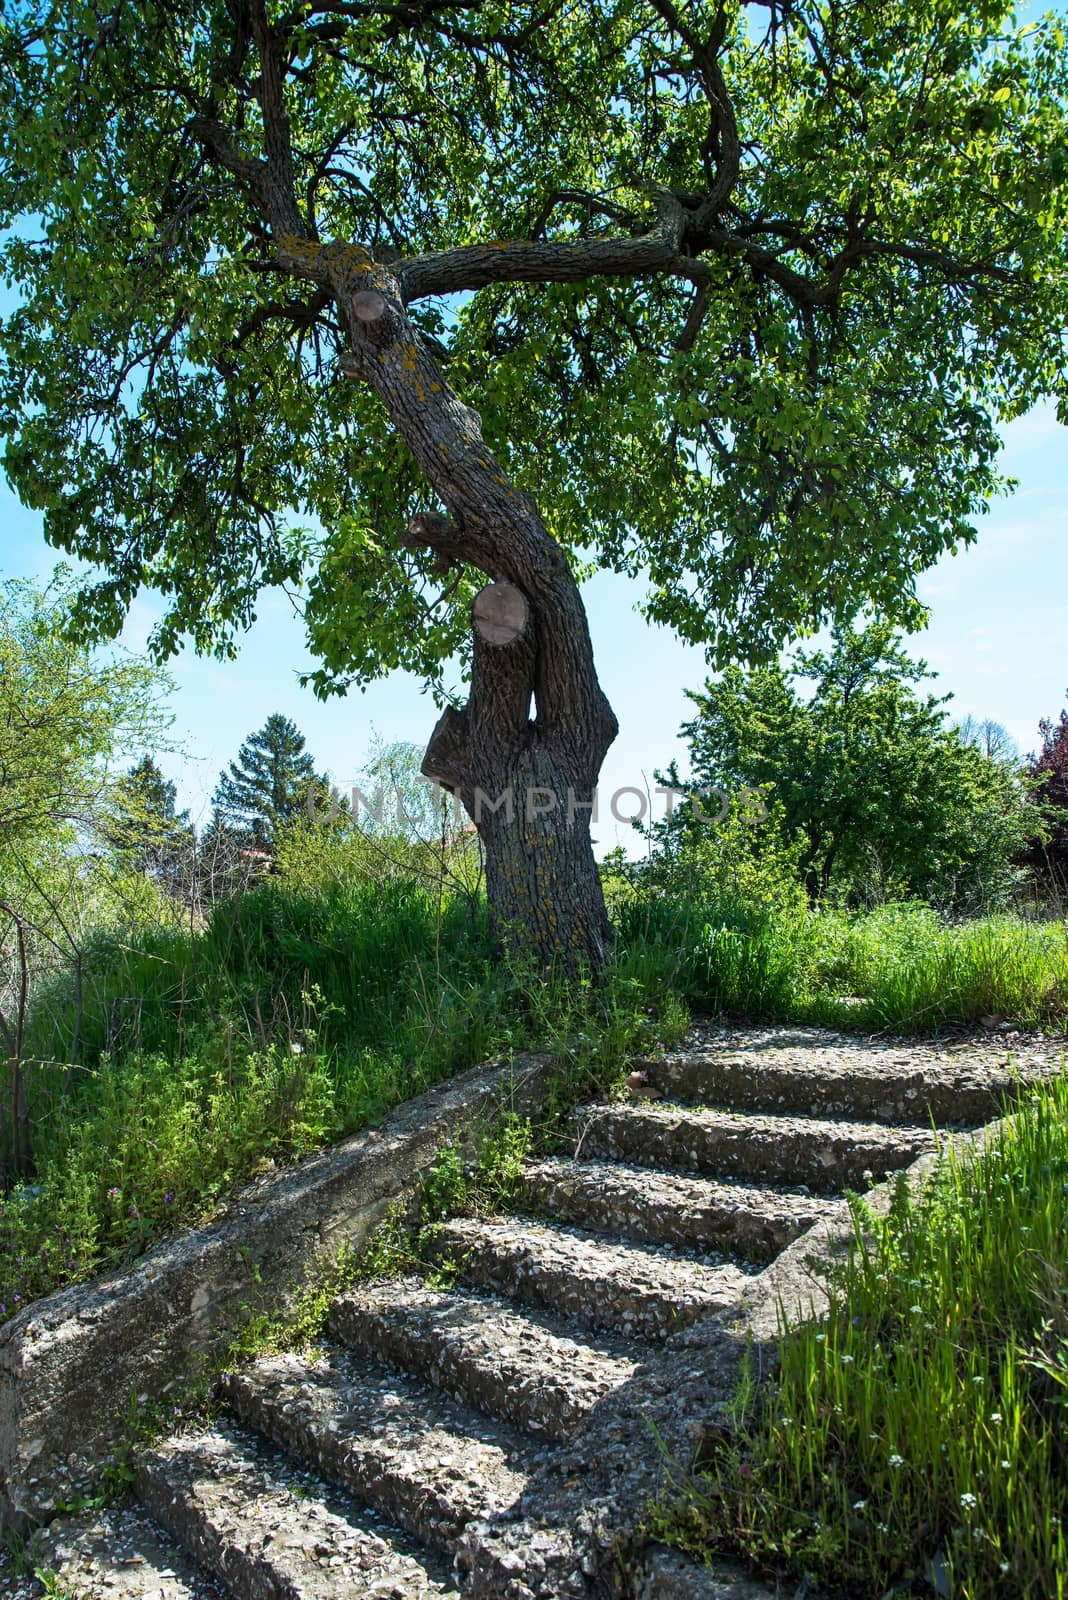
x=996 y=639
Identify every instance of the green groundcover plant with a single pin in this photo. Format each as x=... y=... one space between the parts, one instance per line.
x=914 y=1442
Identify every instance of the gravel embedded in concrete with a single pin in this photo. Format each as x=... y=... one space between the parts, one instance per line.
x=632 y=1289
x=529 y=1370
x=269 y=1530
x=955 y=1081
x=823 y=1155
x=120 y=1554
x=668 y=1207
x=422 y=1461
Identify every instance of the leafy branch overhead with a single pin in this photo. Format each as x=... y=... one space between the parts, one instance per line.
x=749 y=288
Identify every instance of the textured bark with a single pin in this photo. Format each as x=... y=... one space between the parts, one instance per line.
x=524 y=755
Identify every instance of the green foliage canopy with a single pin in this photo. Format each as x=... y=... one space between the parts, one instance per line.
x=882 y=792
x=64 y=716
x=145 y=830
x=748 y=287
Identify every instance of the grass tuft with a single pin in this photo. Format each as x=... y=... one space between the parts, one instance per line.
x=916 y=1441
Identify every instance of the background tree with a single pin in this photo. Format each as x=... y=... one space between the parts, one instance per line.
x=1047 y=856
x=748 y=286
x=992 y=738
x=884 y=795
x=224 y=864
x=65 y=718
x=411 y=806
x=145 y=830
x=267 y=786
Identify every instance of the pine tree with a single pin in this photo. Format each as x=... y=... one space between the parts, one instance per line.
x=145 y=830
x=268 y=783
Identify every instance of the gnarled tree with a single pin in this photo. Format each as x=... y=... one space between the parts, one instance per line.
x=733 y=296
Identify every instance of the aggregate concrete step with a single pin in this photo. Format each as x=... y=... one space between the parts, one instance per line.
x=864 y=1083
x=523 y=1368
x=121 y=1553
x=823 y=1155
x=633 y=1289
x=423 y=1462
x=668 y=1207
x=273 y=1533
x=664 y=1574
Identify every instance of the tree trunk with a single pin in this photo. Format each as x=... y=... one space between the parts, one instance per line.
x=542 y=883
x=531 y=804
x=525 y=781
x=16 y=1153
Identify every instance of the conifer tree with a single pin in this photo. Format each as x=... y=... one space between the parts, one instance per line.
x=268 y=783
x=145 y=830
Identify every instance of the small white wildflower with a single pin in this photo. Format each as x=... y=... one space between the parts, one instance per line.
x=977 y=1533
x=978 y=1378
x=897 y=1461
x=858 y=1505
x=1006 y=1465
x=882 y=1527
x=846 y=1360
x=1003 y=1566
x=916 y=1310
x=820 y=1337
x=968 y=1501
x=995 y=1416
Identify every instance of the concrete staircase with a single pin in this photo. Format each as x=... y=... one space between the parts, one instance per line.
x=448 y=1442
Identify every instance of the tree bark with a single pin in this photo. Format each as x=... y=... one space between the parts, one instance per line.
x=524 y=755
x=529 y=793
x=16 y=1154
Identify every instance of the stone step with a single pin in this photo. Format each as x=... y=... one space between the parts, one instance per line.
x=121 y=1553
x=663 y=1574
x=866 y=1083
x=632 y=1289
x=523 y=1368
x=823 y=1155
x=669 y=1207
x=269 y=1531
x=423 y=1462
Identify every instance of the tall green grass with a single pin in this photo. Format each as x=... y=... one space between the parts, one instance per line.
x=193 y=1061
x=917 y=1441
x=901 y=967
x=915 y=971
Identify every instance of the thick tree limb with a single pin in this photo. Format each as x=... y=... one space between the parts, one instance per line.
x=278 y=181
x=218 y=142
x=473 y=267
x=530 y=261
